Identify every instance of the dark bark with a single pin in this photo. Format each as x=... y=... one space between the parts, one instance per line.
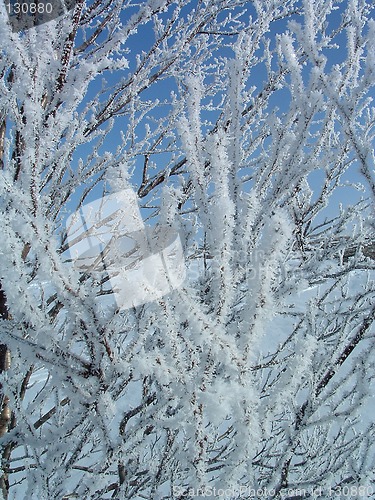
x=4 y=314
x=367 y=250
x=5 y=414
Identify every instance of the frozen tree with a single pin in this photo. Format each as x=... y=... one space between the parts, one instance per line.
x=248 y=128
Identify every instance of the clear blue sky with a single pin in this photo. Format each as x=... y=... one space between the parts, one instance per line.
x=144 y=39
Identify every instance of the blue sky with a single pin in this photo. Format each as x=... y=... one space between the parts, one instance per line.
x=144 y=39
